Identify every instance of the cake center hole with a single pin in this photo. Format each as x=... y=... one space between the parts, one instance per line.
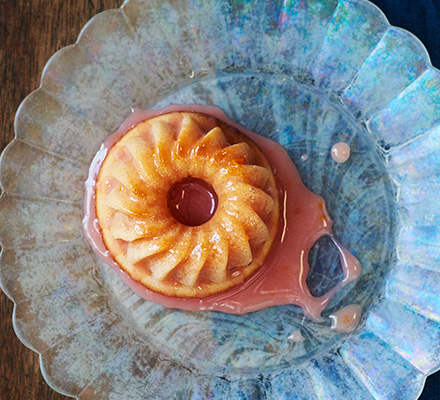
x=192 y=201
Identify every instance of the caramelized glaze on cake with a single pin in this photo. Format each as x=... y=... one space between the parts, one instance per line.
x=211 y=250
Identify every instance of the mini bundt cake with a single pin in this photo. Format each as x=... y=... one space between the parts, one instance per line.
x=188 y=206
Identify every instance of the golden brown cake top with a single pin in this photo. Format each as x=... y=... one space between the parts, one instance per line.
x=188 y=205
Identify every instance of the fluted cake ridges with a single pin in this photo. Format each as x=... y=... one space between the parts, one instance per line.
x=138 y=228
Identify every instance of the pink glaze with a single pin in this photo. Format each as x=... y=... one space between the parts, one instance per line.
x=347 y=318
x=282 y=278
x=340 y=152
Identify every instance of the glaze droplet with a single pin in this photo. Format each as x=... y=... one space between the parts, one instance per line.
x=296 y=336
x=340 y=152
x=346 y=319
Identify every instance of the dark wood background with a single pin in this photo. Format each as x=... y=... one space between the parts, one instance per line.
x=31 y=31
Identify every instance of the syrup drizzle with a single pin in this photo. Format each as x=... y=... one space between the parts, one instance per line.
x=282 y=278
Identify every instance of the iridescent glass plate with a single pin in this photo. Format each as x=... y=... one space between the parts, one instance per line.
x=306 y=73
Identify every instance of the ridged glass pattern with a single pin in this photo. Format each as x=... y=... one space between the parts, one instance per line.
x=307 y=73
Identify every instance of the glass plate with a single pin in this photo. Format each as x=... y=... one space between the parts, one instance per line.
x=307 y=73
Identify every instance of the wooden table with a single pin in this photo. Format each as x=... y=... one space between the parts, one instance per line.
x=31 y=31
x=34 y=31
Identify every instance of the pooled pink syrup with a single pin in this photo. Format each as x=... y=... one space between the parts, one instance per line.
x=282 y=278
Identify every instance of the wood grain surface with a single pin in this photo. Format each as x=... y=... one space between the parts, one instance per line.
x=31 y=31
